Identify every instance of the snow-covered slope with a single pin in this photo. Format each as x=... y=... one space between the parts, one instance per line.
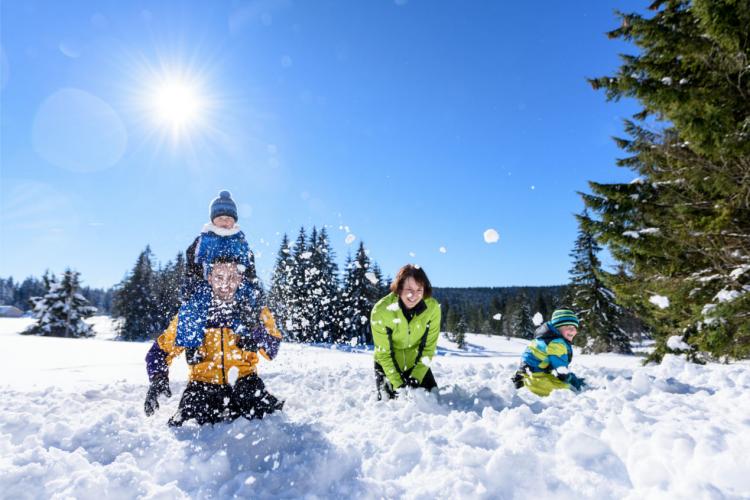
x=72 y=425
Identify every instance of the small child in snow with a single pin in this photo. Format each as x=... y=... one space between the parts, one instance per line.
x=544 y=363
x=219 y=239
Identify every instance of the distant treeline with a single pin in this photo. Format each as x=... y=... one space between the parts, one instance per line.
x=19 y=294
x=477 y=306
x=497 y=310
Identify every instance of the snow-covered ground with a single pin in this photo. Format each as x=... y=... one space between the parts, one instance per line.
x=72 y=426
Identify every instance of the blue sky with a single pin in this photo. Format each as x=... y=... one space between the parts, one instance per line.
x=414 y=124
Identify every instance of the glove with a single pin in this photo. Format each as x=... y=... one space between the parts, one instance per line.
x=518 y=378
x=577 y=383
x=159 y=385
x=410 y=381
x=193 y=355
x=247 y=343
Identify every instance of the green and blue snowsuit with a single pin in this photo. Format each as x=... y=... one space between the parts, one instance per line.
x=544 y=363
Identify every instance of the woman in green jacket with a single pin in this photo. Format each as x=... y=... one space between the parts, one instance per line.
x=405 y=327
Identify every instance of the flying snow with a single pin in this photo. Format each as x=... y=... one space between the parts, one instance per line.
x=538 y=319
x=660 y=301
x=491 y=236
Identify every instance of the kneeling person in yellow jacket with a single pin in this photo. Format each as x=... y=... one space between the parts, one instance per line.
x=223 y=382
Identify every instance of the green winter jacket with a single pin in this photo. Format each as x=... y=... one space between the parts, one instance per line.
x=397 y=339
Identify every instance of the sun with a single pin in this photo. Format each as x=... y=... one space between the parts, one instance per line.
x=178 y=105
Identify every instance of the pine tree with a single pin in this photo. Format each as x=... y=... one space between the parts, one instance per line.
x=600 y=315
x=681 y=230
x=135 y=302
x=460 y=336
x=451 y=320
x=523 y=325
x=326 y=288
x=167 y=283
x=280 y=293
x=299 y=298
x=61 y=311
x=358 y=298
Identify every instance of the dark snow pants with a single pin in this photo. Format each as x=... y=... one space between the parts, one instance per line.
x=212 y=403
x=384 y=385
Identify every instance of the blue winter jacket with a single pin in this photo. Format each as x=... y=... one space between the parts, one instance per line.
x=548 y=351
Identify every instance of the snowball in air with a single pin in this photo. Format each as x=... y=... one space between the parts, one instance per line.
x=659 y=300
x=443 y=250
x=350 y=239
x=491 y=236
x=537 y=319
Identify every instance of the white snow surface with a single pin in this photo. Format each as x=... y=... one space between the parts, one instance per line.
x=72 y=426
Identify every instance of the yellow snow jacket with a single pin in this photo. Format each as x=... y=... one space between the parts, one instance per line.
x=222 y=360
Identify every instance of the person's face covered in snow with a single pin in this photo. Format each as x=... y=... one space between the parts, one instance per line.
x=568 y=332
x=224 y=279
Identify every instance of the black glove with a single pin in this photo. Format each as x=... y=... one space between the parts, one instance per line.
x=410 y=381
x=247 y=343
x=518 y=378
x=159 y=385
x=193 y=355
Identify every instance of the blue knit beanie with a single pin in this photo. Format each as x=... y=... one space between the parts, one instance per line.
x=563 y=317
x=223 y=205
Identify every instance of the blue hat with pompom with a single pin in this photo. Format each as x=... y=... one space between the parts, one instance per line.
x=223 y=205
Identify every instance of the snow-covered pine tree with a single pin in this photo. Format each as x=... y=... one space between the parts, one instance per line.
x=681 y=229
x=601 y=317
x=299 y=298
x=359 y=296
x=135 y=303
x=524 y=325
x=61 y=311
x=280 y=293
x=325 y=288
x=314 y=281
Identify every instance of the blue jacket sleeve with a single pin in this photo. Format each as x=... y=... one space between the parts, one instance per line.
x=557 y=354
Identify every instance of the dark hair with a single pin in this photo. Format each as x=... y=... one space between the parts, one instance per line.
x=411 y=271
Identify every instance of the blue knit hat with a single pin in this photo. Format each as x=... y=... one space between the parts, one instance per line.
x=563 y=317
x=223 y=205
